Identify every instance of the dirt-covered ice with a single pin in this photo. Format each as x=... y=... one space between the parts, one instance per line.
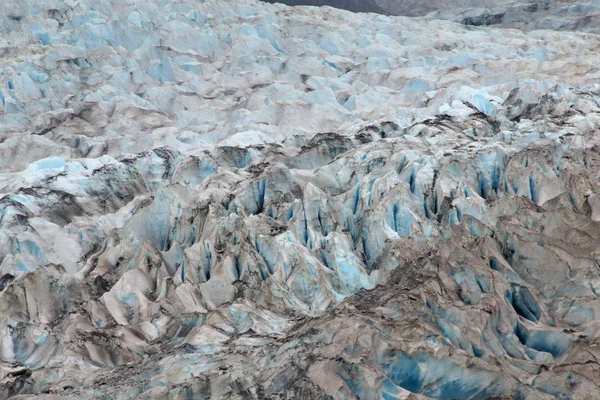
x=238 y=200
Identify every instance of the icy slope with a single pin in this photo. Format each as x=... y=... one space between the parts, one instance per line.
x=241 y=200
x=399 y=7
x=562 y=15
x=350 y=5
x=567 y=15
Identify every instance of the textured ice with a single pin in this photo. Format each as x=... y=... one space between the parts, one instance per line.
x=529 y=15
x=396 y=7
x=238 y=200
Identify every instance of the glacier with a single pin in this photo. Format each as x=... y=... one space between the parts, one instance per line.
x=227 y=199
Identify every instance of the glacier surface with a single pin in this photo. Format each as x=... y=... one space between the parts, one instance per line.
x=239 y=200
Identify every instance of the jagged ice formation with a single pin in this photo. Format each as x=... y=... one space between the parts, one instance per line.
x=237 y=200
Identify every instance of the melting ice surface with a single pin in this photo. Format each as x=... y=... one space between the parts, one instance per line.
x=237 y=200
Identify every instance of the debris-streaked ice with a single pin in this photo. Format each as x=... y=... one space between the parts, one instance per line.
x=238 y=200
